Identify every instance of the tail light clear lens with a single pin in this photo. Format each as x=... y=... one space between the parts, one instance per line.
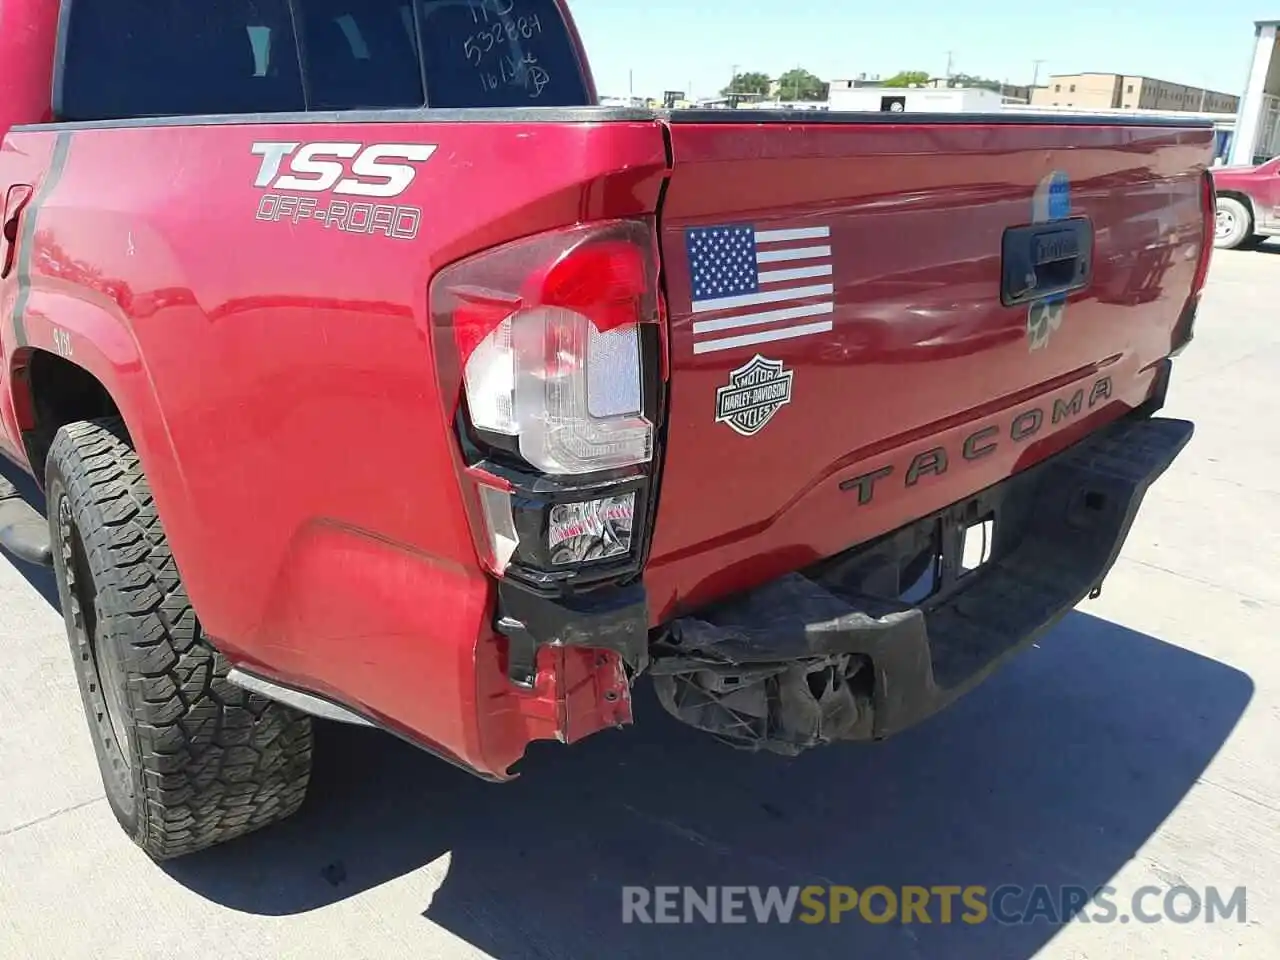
x=547 y=331
x=500 y=526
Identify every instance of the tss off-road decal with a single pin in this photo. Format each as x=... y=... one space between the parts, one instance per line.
x=354 y=176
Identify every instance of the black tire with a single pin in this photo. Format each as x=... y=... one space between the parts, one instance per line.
x=187 y=759
x=1233 y=225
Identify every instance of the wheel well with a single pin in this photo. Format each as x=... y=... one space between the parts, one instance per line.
x=1240 y=197
x=60 y=393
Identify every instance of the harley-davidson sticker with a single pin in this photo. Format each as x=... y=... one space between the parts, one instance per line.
x=756 y=391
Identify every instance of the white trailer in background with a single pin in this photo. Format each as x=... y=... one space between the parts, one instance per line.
x=914 y=99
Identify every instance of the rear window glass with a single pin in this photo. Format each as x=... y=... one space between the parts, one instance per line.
x=143 y=58
x=359 y=54
x=498 y=53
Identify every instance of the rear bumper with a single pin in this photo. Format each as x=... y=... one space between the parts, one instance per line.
x=832 y=654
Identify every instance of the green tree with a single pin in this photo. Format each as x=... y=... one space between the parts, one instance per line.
x=754 y=82
x=908 y=78
x=800 y=84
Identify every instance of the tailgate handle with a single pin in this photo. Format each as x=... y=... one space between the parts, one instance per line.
x=1046 y=260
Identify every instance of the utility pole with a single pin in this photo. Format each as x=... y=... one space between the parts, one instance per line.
x=1035 y=72
x=631 y=83
x=950 y=60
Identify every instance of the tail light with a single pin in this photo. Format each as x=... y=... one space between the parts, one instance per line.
x=557 y=341
x=1209 y=217
x=1184 y=330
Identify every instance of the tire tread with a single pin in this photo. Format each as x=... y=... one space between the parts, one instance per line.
x=215 y=761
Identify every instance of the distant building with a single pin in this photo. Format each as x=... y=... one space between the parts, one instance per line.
x=1125 y=92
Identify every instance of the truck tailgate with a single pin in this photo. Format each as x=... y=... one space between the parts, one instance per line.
x=841 y=358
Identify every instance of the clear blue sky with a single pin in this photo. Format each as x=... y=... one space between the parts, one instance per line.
x=670 y=43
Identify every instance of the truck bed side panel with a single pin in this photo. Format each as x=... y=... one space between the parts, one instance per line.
x=282 y=389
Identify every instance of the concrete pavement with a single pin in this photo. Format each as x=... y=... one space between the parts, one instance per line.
x=1138 y=744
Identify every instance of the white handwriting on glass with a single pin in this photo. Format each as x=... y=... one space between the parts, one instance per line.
x=526 y=73
x=482 y=42
x=481 y=9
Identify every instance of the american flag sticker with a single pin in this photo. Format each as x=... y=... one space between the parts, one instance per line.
x=758 y=286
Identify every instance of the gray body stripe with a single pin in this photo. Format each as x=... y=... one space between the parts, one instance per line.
x=26 y=239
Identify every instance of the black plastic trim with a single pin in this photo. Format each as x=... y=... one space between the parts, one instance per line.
x=1159 y=391
x=59 y=61
x=1040 y=261
x=752 y=117
x=24 y=531
x=614 y=618
x=1185 y=329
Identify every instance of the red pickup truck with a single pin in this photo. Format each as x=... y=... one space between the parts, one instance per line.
x=1248 y=204
x=372 y=372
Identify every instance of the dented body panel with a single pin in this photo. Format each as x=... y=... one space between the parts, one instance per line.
x=252 y=293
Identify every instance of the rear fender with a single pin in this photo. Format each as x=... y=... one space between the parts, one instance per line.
x=70 y=325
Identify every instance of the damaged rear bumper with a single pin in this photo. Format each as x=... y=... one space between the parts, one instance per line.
x=834 y=653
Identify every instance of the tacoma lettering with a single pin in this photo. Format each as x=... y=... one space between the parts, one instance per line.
x=981 y=443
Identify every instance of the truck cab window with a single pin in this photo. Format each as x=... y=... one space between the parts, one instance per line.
x=357 y=54
x=124 y=59
x=128 y=58
x=499 y=53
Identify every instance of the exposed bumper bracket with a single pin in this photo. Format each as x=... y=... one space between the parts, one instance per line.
x=823 y=656
x=615 y=619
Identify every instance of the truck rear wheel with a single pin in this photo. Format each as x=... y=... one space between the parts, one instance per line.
x=187 y=759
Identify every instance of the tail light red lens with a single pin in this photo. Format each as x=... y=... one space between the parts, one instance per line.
x=1209 y=216
x=547 y=331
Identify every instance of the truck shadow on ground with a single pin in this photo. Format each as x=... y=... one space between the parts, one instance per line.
x=1055 y=772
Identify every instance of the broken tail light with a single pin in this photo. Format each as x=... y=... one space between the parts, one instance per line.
x=548 y=334
x=558 y=343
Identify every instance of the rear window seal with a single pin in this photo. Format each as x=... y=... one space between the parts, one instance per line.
x=422 y=115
